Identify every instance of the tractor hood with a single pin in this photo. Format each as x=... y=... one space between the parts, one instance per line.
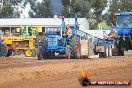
x=124 y=30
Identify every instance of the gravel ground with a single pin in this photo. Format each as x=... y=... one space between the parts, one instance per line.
x=61 y=73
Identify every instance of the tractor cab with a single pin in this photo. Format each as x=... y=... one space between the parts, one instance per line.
x=123 y=22
x=123 y=26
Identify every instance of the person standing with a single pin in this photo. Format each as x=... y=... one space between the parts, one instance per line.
x=67 y=31
x=113 y=32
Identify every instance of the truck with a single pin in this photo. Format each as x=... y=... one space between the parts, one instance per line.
x=123 y=25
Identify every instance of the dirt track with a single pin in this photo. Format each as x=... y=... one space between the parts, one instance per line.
x=62 y=73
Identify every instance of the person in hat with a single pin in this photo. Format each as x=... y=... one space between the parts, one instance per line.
x=125 y=22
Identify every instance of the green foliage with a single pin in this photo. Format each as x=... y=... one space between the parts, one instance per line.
x=6 y=11
x=98 y=6
x=9 y=9
x=92 y=24
x=16 y=14
x=39 y=10
x=103 y=24
x=118 y=6
x=77 y=7
x=90 y=9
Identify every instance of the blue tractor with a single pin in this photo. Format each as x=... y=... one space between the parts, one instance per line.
x=54 y=40
x=123 y=25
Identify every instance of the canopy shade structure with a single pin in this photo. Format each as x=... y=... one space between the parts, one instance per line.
x=43 y=22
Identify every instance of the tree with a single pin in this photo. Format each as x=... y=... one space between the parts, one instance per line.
x=6 y=11
x=120 y=5
x=9 y=8
x=103 y=24
x=90 y=9
x=40 y=10
x=117 y=6
x=98 y=6
x=76 y=7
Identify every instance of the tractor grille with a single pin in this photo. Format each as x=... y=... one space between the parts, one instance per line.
x=52 y=41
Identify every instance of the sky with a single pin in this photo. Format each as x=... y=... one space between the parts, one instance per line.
x=25 y=12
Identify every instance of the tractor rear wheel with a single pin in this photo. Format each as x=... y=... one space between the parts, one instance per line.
x=39 y=53
x=115 y=51
x=101 y=54
x=9 y=53
x=44 y=55
x=118 y=49
x=52 y=55
x=75 y=47
x=106 y=52
x=67 y=52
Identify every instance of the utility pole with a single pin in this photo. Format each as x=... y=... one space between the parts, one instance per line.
x=70 y=7
x=119 y=5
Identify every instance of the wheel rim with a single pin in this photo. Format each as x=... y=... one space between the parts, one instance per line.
x=28 y=53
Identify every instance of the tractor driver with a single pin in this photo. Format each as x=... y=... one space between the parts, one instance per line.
x=125 y=23
x=67 y=31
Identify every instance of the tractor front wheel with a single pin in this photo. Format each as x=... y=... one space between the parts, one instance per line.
x=9 y=53
x=3 y=50
x=39 y=53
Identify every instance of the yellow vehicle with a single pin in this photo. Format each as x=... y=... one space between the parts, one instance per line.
x=22 y=44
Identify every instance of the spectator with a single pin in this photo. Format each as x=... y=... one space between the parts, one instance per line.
x=113 y=32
